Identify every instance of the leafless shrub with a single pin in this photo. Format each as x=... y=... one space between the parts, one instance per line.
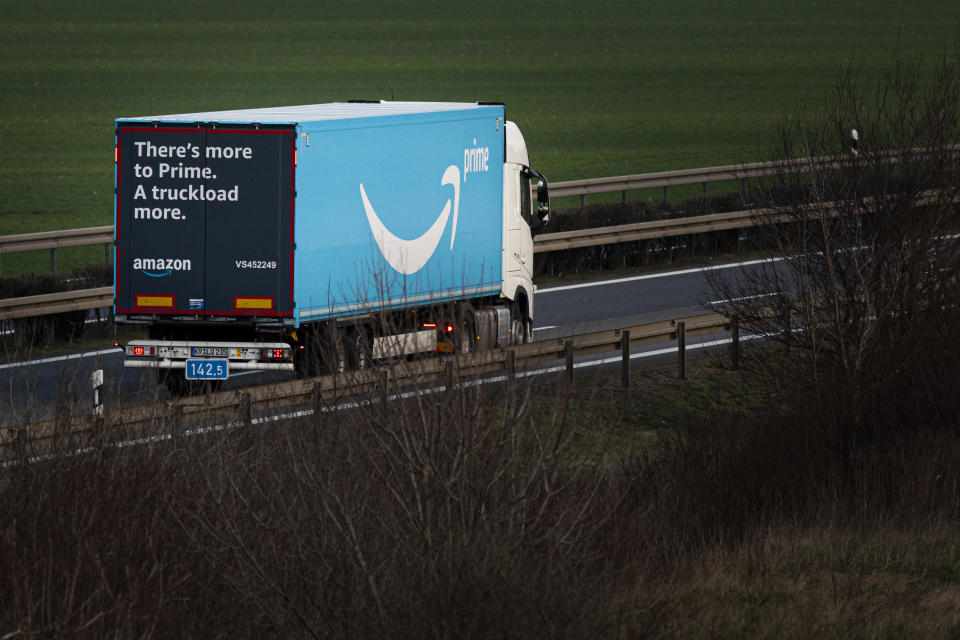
x=448 y=514
x=861 y=277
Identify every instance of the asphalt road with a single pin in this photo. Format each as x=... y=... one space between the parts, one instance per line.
x=36 y=390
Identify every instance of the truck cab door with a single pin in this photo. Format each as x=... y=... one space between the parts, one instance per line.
x=518 y=214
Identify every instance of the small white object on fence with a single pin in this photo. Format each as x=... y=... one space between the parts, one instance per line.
x=96 y=381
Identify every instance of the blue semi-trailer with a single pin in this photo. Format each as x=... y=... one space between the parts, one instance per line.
x=321 y=237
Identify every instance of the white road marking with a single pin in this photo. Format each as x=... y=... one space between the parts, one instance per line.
x=72 y=356
x=662 y=274
x=759 y=295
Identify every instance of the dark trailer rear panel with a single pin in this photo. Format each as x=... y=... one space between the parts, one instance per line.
x=204 y=219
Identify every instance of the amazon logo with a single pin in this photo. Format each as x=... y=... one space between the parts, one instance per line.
x=161 y=267
x=409 y=256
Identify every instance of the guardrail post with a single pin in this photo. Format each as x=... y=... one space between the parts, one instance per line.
x=624 y=196
x=106 y=253
x=568 y=355
x=316 y=397
x=175 y=419
x=53 y=260
x=583 y=200
x=625 y=362
x=384 y=390
x=682 y=349
x=245 y=408
x=735 y=341
x=448 y=375
x=666 y=194
x=705 y=183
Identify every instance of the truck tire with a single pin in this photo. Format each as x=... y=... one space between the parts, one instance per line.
x=521 y=328
x=323 y=351
x=357 y=342
x=466 y=336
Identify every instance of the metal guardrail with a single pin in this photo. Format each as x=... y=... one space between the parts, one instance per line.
x=155 y=419
x=653 y=229
x=663 y=179
x=54 y=240
x=546 y=242
x=49 y=303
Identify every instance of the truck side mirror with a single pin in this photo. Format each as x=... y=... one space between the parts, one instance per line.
x=543 y=198
x=543 y=201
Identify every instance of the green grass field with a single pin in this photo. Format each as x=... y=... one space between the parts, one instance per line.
x=598 y=88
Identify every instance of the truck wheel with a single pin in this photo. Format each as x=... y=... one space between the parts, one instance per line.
x=322 y=353
x=357 y=343
x=304 y=363
x=521 y=328
x=307 y=361
x=466 y=339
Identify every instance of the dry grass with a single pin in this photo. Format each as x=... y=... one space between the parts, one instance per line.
x=528 y=510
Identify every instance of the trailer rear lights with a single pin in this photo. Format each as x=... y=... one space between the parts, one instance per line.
x=154 y=302
x=275 y=354
x=428 y=325
x=449 y=328
x=139 y=350
x=255 y=303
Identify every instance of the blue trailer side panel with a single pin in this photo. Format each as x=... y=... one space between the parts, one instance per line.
x=399 y=210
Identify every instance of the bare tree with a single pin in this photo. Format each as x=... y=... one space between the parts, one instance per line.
x=443 y=509
x=858 y=228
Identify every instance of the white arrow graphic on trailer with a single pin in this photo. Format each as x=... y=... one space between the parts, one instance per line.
x=409 y=256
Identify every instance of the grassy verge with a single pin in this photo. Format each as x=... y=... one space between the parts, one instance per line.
x=671 y=509
x=626 y=89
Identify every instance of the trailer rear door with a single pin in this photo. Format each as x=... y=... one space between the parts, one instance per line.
x=204 y=219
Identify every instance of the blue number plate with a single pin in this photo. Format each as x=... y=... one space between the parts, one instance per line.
x=207 y=370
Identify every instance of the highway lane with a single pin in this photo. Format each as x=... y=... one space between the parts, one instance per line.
x=31 y=391
x=627 y=300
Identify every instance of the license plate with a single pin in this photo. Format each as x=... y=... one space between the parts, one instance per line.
x=207 y=370
x=208 y=352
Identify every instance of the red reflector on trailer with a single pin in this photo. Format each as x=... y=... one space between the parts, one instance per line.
x=138 y=351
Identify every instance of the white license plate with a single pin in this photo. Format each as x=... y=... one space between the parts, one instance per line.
x=208 y=352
